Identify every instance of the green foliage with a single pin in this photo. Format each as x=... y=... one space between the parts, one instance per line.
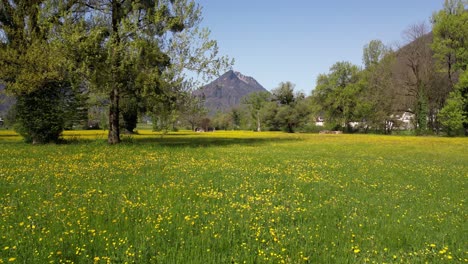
x=373 y=53
x=288 y=110
x=284 y=93
x=118 y=47
x=236 y=117
x=450 y=50
x=129 y=112
x=286 y=118
x=337 y=93
x=164 y=115
x=97 y=106
x=193 y=53
x=255 y=102
x=310 y=127
x=462 y=86
x=192 y=109
x=377 y=100
x=452 y=115
x=33 y=67
x=140 y=54
x=269 y=115
x=421 y=113
x=222 y=121
x=450 y=37
x=40 y=115
x=10 y=117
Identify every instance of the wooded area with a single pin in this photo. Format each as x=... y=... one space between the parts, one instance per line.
x=64 y=60
x=419 y=86
x=57 y=56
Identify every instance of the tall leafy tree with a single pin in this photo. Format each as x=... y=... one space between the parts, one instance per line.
x=255 y=102
x=450 y=37
x=164 y=113
x=33 y=67
x=453 y=115
x=373 y=53
x=337 y=91
x=376 y=102
x=192 y=54
x=415 y=71
x=192 y=51
x=192 y=109
x=284 y=93
x=125 y=36
x=450 y=51
x=286 y=112
x=269 y=115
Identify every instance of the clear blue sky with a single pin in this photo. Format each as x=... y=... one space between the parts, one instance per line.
x=276 y=40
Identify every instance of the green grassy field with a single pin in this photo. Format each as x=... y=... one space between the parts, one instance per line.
x=234 y=197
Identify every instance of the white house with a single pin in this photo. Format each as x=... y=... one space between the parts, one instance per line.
x=319 y=121
x=405 y=120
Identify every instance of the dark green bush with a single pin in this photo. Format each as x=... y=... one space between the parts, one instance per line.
x=40 y=115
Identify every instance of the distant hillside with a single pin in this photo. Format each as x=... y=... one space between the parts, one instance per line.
x=228 y=90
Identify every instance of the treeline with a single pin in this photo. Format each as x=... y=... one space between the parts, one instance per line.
x=65 y=61
x=83 y=63
x=425 y=80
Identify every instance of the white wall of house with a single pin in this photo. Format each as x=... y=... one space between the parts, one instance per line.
x=405 y=122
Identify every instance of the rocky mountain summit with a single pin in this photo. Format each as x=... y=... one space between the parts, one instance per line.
x=228 y=90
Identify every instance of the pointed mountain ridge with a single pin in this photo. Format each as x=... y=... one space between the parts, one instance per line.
x=228 y=90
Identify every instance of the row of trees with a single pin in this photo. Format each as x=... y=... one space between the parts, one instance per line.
x=283 y=109
x=427 y=77
x=62 y=58
x=132 y=56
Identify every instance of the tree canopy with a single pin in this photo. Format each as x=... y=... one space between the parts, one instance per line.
x=63 y=58
x=134 y=52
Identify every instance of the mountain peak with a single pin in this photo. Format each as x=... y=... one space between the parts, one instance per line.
x=228 y=90
x=246 y=79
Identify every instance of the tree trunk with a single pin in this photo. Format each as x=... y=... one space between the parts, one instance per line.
x=114 y=129
x=290 y=128
x=258 y=122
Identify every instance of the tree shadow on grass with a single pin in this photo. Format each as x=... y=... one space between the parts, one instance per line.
x=181 y=140
x=197 y=142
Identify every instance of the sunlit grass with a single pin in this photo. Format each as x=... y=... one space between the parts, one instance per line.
x=234 y=197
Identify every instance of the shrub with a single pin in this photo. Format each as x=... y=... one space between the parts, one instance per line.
x=40 y=115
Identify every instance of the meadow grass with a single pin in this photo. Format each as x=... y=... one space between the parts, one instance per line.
x=234 y=197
